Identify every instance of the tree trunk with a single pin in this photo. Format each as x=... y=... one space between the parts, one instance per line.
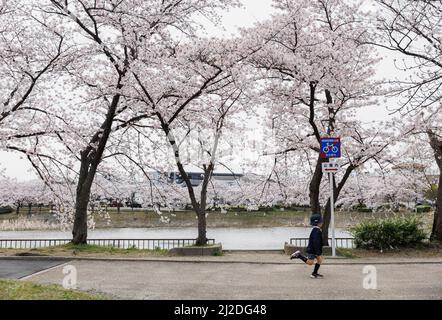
x=90 y=160
x=315 y=182
x=436 y=233
x=79 y=232
x=202 y=228
x=314 y=188
x=436 y=145
x=202 y=220
x=199 y=208
x=327 y=211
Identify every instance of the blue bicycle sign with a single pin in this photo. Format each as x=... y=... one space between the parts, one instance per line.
x=330 y=148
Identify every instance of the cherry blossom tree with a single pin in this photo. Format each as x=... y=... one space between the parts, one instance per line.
x=202 y=87
x=24 y=194
x=110 y=39
x=30 y=52
x=412 y=30
x=402 y=181
x=316 y=75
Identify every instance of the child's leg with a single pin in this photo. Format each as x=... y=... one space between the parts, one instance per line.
x=317 y=265
x=303 y=258
x=311 y=259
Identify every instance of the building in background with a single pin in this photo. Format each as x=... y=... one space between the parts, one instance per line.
x=196 y=176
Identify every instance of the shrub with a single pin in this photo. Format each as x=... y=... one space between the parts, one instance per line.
x=6 y=210
x=423 y=209
x=237 y=209
x=362 y=208
x=266 y=209
x=389 y=233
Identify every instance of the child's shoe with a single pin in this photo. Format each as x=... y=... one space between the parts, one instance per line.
x=296 y=255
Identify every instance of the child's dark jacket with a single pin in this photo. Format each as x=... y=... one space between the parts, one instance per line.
x=315 y=242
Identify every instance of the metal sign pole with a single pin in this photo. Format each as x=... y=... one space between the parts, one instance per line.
x=331 y=149
x=332 y=211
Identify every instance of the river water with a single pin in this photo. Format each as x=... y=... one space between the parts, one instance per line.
x=231 y=238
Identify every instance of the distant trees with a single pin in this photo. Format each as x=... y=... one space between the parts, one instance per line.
x=24 y=196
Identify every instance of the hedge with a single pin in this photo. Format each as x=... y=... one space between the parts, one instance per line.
x=389 y=233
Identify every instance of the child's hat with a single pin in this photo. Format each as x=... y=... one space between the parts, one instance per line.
x=315 y=219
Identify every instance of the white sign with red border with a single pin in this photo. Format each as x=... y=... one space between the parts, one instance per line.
x=330 y=167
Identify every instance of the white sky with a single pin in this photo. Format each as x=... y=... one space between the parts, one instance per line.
x=17 y=167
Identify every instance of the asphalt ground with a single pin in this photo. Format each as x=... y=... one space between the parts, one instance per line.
x=20 y=268
x=243 y=280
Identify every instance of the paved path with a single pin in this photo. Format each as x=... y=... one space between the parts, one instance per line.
x=19 y=268
x=238 y=279
x=251 y=257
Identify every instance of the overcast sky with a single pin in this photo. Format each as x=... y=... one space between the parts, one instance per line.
x=17 y=167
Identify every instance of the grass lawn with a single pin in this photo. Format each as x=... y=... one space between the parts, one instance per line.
x=424 y=251
x=21 y=290
x=85 y=251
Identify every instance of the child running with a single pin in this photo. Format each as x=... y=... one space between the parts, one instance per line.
x=314 y=248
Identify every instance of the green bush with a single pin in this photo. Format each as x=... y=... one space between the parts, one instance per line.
x=266 y=209
x=389 y=233
x=6 y=210
x=423 y=208
x=362 y=208
x=237 y=209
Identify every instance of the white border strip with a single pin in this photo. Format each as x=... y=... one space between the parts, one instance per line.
x=44 y=271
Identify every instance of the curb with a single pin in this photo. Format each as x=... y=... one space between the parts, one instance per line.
x=257 y=251
x=194 y=251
